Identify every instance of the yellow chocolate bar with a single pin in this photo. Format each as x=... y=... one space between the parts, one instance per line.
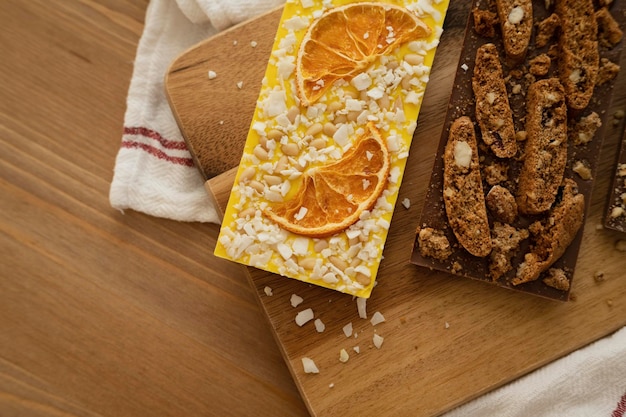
x=326 y=152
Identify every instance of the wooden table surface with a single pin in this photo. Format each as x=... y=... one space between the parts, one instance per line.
x=104 y=313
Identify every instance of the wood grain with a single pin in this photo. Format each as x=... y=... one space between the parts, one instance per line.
x=446 y=340
x=104 y=313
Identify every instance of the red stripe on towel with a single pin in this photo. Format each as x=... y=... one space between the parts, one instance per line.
x=157 y=153
x=621 y=407
x=152 y=134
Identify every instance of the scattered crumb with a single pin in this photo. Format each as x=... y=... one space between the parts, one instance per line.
x=268 y=291
x=609 y=32
x=212 y=75
x=485 y=22
x=235 y=42
x=433 y=244
x=464 y=67
x=343 y=356
x=357 y=349
x=319 y=325
x=361 y=306
x=296 y=300
x=331 y=385
x=582 y=131
x=456 y=267
x=582 y=169
x=546 y=30
x=254 y=44
x=378 y=341
x=406 y=203
x=495 y=173
x=309 y=366
x=304 y=317
x=608 y=71
x=598 y=276
x=446 y=325
x=240 y=85
x=540 y=65
x=556 y=278
x=377 y=318
x=347 y=329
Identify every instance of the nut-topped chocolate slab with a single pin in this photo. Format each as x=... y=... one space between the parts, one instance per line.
x=536 y=227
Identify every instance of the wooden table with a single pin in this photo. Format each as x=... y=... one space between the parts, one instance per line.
x=103 y=313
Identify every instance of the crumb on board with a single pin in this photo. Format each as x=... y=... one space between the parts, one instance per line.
x=598 y=276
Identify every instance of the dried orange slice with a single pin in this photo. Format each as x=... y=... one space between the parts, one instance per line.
x=345 y=40
x=332 y=197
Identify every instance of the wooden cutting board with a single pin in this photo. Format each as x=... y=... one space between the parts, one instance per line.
x=447 y=340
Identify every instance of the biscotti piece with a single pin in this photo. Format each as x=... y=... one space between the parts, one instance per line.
x=501 y=204
x=493 y=111
x=607 y=72
x=546 y=30
x=579 y=58
x=609 y=32
x=554 y=235
x=516 y=23
x=463 y=190
x=546 y=147
x=506 y=241
x=485 y=22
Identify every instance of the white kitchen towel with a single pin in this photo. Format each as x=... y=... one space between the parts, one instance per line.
x=154 y=174
x=590 y=382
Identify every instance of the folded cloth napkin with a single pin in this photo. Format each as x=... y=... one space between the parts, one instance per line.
x=154 y=174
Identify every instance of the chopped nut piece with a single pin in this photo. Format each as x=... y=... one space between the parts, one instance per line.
x=582 y=169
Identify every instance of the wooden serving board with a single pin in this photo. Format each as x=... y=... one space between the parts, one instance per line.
x=447 y=340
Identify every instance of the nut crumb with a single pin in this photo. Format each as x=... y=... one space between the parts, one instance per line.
x=598 y=276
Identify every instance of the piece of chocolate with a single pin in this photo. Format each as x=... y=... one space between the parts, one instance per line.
x=505 y=172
